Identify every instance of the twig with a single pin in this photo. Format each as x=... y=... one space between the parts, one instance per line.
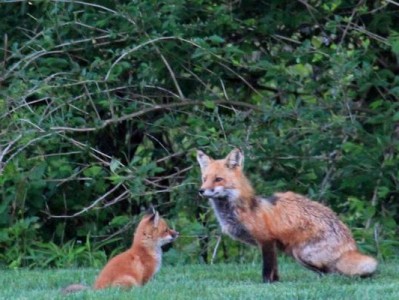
x=173 y=175
x=30 y=58
x=152 y=41
x=85 y=147
x=206 y=87
x=25 y=146
x=158 y=141
x=162 y=89
x=34 y=125
x=369 y=33
x=222 y=127
x=87 y=208
x=5 y=50
x=5 y=151
x=123 y=229
x=393 y=2
x=152 y=109
x=169 y=156
x=216 y=249
x=224 y=89
x=172 y=74
x=374 y=199
x=350 y=20
x=88 y=4
x=92 y=102
x=122 y=196
x=242 y=78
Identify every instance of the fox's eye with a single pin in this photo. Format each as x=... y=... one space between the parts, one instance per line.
x=218 y=179
x=204 y=179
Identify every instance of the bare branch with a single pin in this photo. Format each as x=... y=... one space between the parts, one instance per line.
x=152 y=41
x=88 y=4
x=153 y=109
x=25 y=146
x=350 y=20
x=5 y=151
x=86 y=209
x=172 y=74
x=393 y=2
x=219 y=239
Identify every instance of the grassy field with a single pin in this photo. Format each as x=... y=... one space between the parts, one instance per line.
x=221 y=281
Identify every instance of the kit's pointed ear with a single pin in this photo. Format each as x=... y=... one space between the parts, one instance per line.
x=156 y=219
x=203 y=159
x=235 y=159
x=150 y=210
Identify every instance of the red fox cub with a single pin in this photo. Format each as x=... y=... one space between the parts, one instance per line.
x=304 y=229
x=137 y=265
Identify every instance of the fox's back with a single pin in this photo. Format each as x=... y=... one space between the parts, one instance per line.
x=294 y=220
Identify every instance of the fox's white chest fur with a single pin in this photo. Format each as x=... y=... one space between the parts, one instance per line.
x=158 y=259
x=227 y=218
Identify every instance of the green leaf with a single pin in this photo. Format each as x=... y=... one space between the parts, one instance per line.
x=209 y=104
x=317 y=41
x=303 y=70
x=394 y=41
x=4 y=235
x=115 y=165
x=119 y=221
x=92 y=171
x=216 y=39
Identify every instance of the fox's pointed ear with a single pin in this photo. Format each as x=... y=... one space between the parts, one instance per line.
x=235 y=159
x=150 y=211
x=154 y=218
x=203 y=159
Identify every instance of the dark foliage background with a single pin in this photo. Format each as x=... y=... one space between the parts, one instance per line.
x=102 y=104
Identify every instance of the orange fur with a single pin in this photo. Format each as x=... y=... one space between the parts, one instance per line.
x=137 y=265
x=304 y=229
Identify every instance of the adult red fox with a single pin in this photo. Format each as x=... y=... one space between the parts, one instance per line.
x=304 y=229
x=137 y=265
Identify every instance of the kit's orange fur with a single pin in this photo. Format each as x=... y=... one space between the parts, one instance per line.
x=137 y=265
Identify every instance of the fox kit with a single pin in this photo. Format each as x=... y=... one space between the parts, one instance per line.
x=137 y=265
x=304 y=229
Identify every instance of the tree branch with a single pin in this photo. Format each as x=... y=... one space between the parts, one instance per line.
x=153 y=109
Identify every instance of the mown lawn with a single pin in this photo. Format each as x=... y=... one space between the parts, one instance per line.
x=220 y=281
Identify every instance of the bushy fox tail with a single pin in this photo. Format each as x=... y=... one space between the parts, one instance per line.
x=73 y=288
x=354 y=263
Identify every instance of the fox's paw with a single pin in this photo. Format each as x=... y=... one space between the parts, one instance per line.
x=273 y=277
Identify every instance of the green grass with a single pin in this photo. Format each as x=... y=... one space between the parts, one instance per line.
x=221 y=281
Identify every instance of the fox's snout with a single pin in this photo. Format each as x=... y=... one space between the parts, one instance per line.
x=169 y=237
x=174 y=234
x=215 y=192
x=201 y=192
x=207 y=193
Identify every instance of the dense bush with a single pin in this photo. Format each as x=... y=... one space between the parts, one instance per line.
x=102 y=104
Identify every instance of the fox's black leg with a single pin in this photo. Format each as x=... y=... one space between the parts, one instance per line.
x=269 y=270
